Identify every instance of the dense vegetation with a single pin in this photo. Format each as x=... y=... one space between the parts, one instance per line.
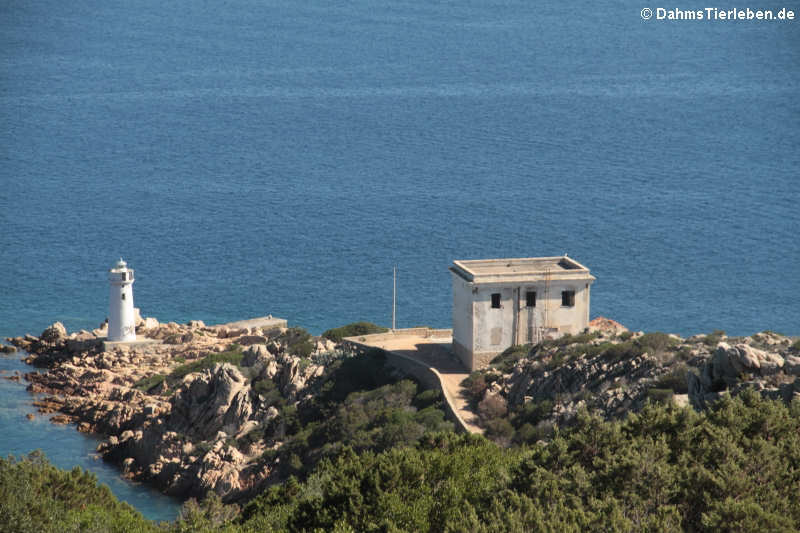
x=353 y=330
x=731 y=468
x=37 y=497
x=361 y=406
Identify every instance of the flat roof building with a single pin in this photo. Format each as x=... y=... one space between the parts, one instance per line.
x=498 y=303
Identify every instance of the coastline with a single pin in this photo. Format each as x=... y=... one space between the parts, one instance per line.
x=132 y=398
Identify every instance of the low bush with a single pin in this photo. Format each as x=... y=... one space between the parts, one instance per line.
x=492 y=407
x=613 y=353
x=676 y=380
x=661 y=396
x=656 y=342
x=145 y=384
x=499 y=429
x=353 y=330
x=298 y=341
x=625 y=336
x=505 y=361
x=566 y=340
x=475 y=387
x=233 y=356
x=532 y=413
x=269 y=391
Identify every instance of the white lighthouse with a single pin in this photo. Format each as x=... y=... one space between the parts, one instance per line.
x=121 y=317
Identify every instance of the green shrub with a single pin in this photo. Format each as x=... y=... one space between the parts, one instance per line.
x=566 y=340
x=267 y=388
x=532 y=413
x=353 y=330
x=505 y=361
x=145 y=384
x=347 y=375
x=492 y=407
x=625 y=336
x=233 y=356
x=656 y=342
x=676 y=380
x=660 y=395
x=298 y=341
x=202 y=448
x=684 y=353
x=475 y=386
x=428 y=398
x=796 y=346
x=499 y=429
x=36 y=497
x=613 y=353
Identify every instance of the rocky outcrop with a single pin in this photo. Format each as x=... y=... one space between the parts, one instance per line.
x=54 y=334
x=733 y=367
x=213 y=401
x=606 y=326
x=612 y=372
x=188 y=432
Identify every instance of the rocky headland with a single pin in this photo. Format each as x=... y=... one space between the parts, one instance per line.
x=610 y=371
x=214 y=409
x=197 y=412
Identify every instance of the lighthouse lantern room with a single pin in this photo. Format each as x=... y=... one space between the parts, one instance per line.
x=121 y=317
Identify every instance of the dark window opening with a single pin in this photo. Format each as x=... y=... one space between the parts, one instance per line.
x=530 y=299
x=496 y=300
x=123 y=295
x=568 y=298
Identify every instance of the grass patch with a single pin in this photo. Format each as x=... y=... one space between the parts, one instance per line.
x=233 y=356
x=566 y=340
x=506 y=360
x=145 y=384
x=624 y=350
x=353 y=330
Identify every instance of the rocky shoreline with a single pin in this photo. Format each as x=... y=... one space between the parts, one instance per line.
x=204 y=409
x=194 y=412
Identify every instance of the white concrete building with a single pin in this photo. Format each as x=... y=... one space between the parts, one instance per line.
x=121 y=315
x=498 y=303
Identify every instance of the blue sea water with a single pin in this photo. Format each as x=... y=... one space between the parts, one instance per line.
x=255 y=157
x=65 y=447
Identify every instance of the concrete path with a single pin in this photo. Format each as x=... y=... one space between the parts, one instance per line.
x=436 y=354
x=260 y=322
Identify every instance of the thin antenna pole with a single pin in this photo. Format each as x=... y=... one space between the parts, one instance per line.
x=394 y=298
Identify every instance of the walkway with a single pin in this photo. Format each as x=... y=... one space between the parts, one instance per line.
x=430 y=349
x=259 y=322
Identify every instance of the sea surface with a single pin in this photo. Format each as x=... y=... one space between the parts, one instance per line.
x=280 y=157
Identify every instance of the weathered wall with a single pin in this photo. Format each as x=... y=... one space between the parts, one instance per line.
x=493 y=330
x=462 y=320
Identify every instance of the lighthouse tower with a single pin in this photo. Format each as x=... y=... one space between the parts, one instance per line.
x=121 y=318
